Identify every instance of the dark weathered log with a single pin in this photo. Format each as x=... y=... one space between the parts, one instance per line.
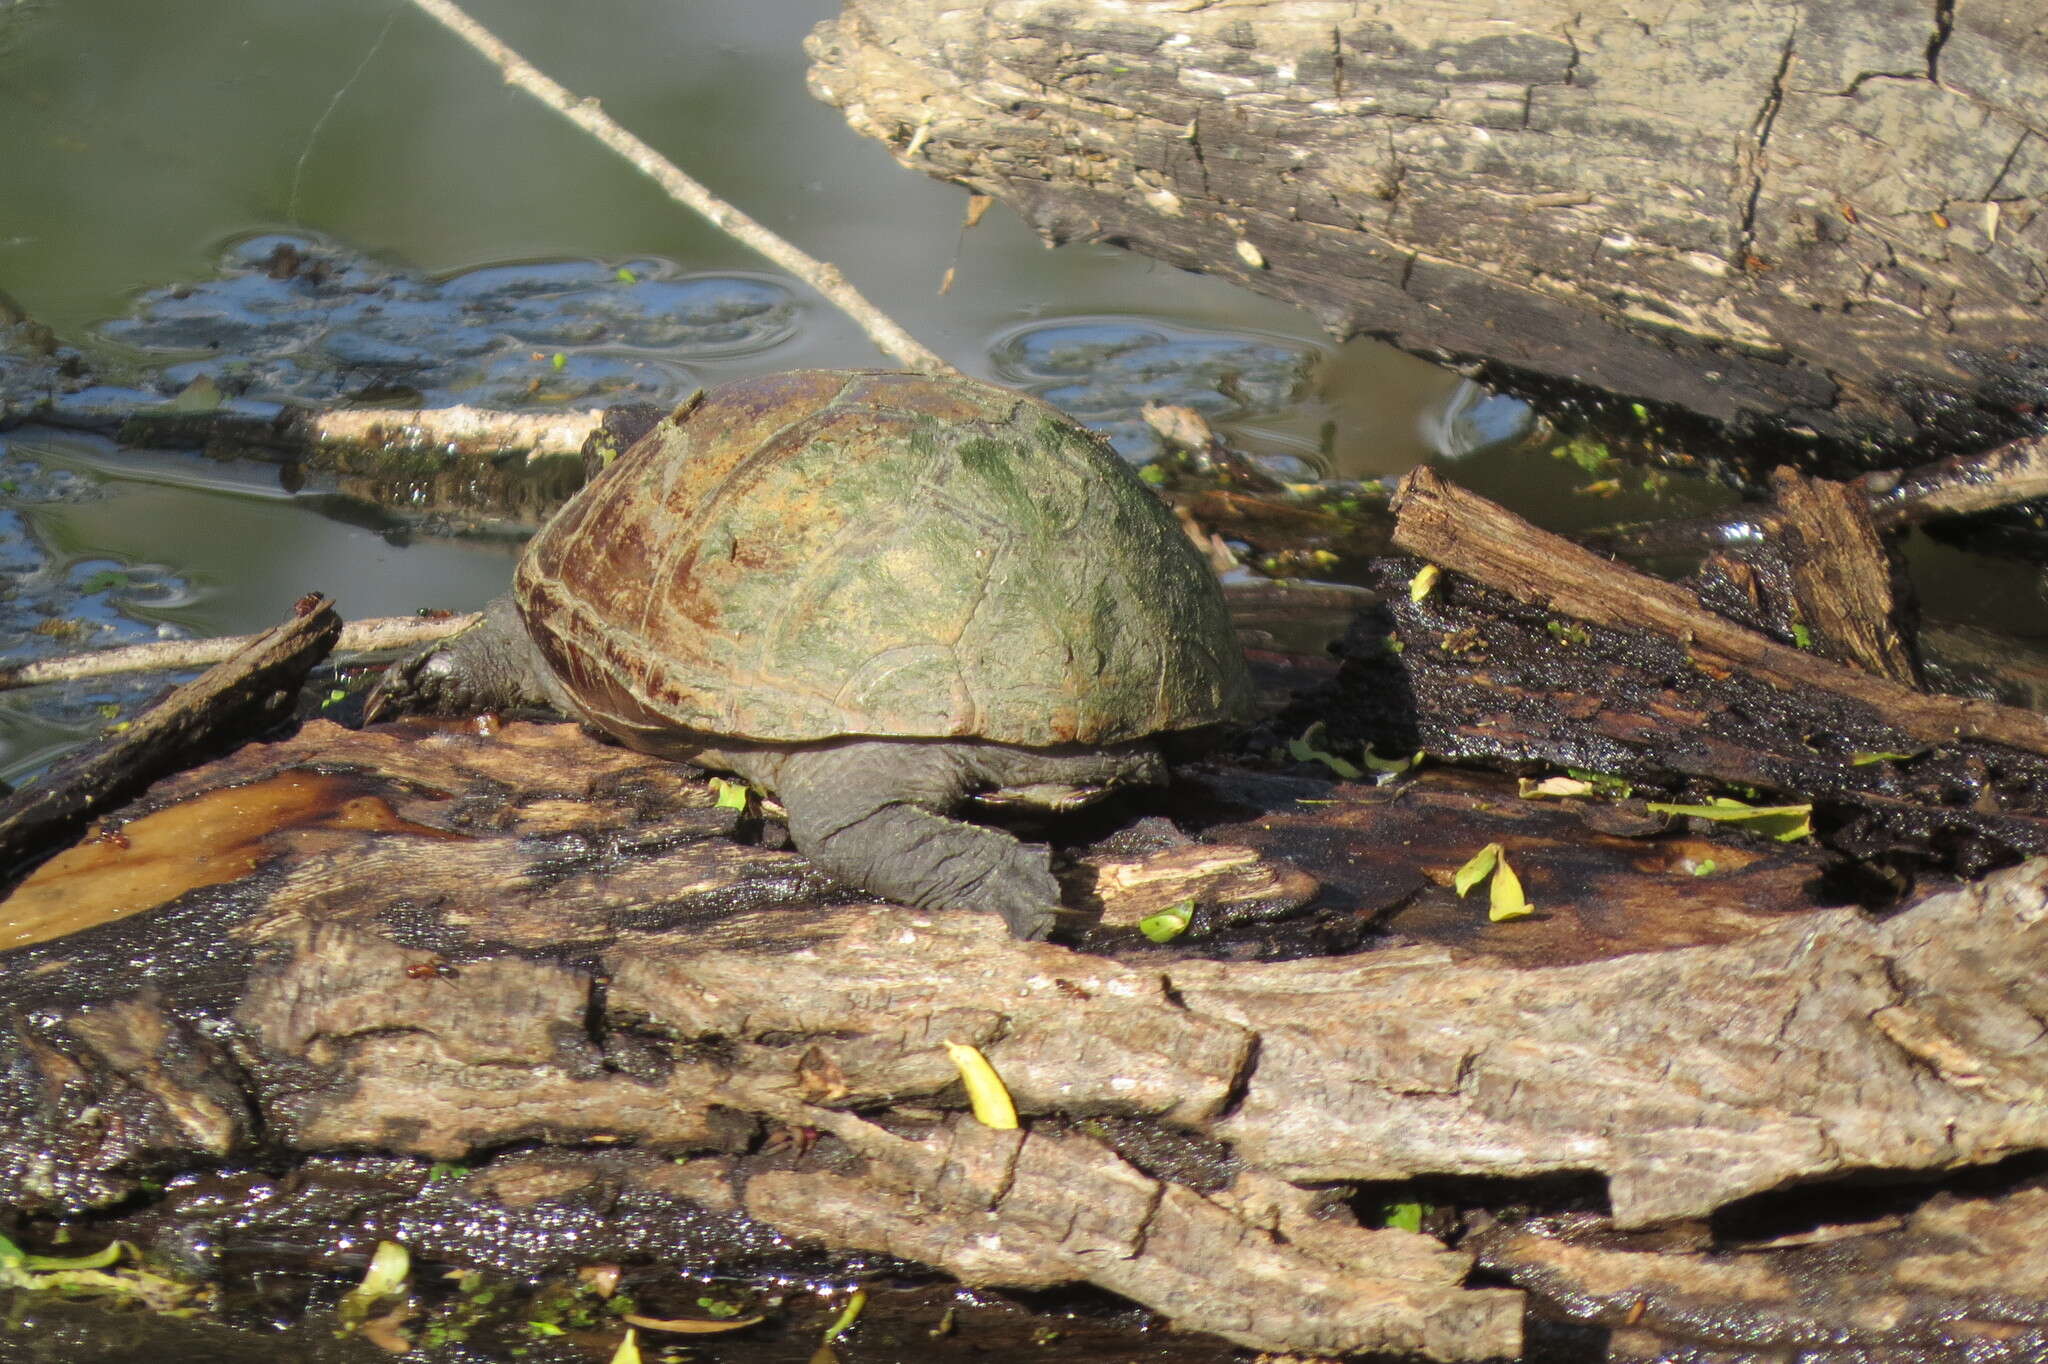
x=1480 y=676
x=1493 y=546
x=255 y=688
x=1817 y=213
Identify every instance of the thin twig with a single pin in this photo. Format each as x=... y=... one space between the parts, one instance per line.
x=899 y=344
x=377 y=635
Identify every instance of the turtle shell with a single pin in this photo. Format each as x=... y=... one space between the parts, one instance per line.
x=826 y=553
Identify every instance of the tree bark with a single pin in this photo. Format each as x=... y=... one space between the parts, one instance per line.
x=1814 y=213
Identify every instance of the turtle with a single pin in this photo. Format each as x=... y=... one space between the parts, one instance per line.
x=876 y=596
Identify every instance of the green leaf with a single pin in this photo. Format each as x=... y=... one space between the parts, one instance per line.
x=625 y=276
x=629 y=1349
x=1704 y=867
x=1403 y=1217
x=732 y=795
x=106 y=580
x=559 y=360
x=1504 y=899
x=1168 y=923
x=1786 y=823
x=1477 y=869
x=1152 y=474
x=1866 y=759
x=1614 y=788
x=1566 y=633
x=1801 y=636
x=1392 y=766
x=99 y=1259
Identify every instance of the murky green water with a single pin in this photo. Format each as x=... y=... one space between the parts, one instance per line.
x=142 y=139
x=136 y=139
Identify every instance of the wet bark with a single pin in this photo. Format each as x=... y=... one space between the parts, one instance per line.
x=441 y=943
x=243 y=695
x=1817 y=215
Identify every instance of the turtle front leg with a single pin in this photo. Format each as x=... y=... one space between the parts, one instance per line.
x=873 y=814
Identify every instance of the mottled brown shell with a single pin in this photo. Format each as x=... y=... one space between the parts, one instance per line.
x=825 y=553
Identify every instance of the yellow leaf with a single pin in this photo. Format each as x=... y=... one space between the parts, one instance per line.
x=688 y=1325
x=1553 y=786
x=851 y=1312
x=1504 y=897
x=1476 y=870
x=629 y=1349
x=1250 y=255
x=1424 y=582
x=986 y=1094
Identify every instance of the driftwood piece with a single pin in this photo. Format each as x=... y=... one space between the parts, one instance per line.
x=1957 y=1278
x=1842 y=576
x=255 y=688
x=1838 y=222
x=1493 y=546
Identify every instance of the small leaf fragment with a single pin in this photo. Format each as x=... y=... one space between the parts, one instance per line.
x=1403 y=1217
x=1866 y=759
x=1786 y=823
x=1477 y=870
x=1250 y=255
x=1424 y=582
x=732 y=795
x=690 y=1326
x=559 y=360
x=1704 y=867
x=855 y=1304
x=629 y=1349
x=390 y=1263
x=1305 y=750
x=1390 y=766
x=1505 y=901
x=1168 y=923
x=625 y=276
x=1801 y=636
x=986 y=1094
x=1556 y=787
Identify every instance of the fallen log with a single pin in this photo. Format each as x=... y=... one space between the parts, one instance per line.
x=1838 y=228
x=440 y=942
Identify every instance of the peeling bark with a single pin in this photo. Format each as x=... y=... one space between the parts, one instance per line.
x=1817 y=215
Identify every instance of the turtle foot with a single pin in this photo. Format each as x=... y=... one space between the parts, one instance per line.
x=915 y=857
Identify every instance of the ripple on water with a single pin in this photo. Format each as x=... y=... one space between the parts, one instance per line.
x=294 y=316
x=1102 y=370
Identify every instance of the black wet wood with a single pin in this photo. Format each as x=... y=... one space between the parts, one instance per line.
x=231 y=700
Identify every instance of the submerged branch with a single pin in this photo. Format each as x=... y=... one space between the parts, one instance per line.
x=378 y=635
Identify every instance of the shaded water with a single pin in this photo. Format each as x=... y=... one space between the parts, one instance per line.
x=142 y=140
